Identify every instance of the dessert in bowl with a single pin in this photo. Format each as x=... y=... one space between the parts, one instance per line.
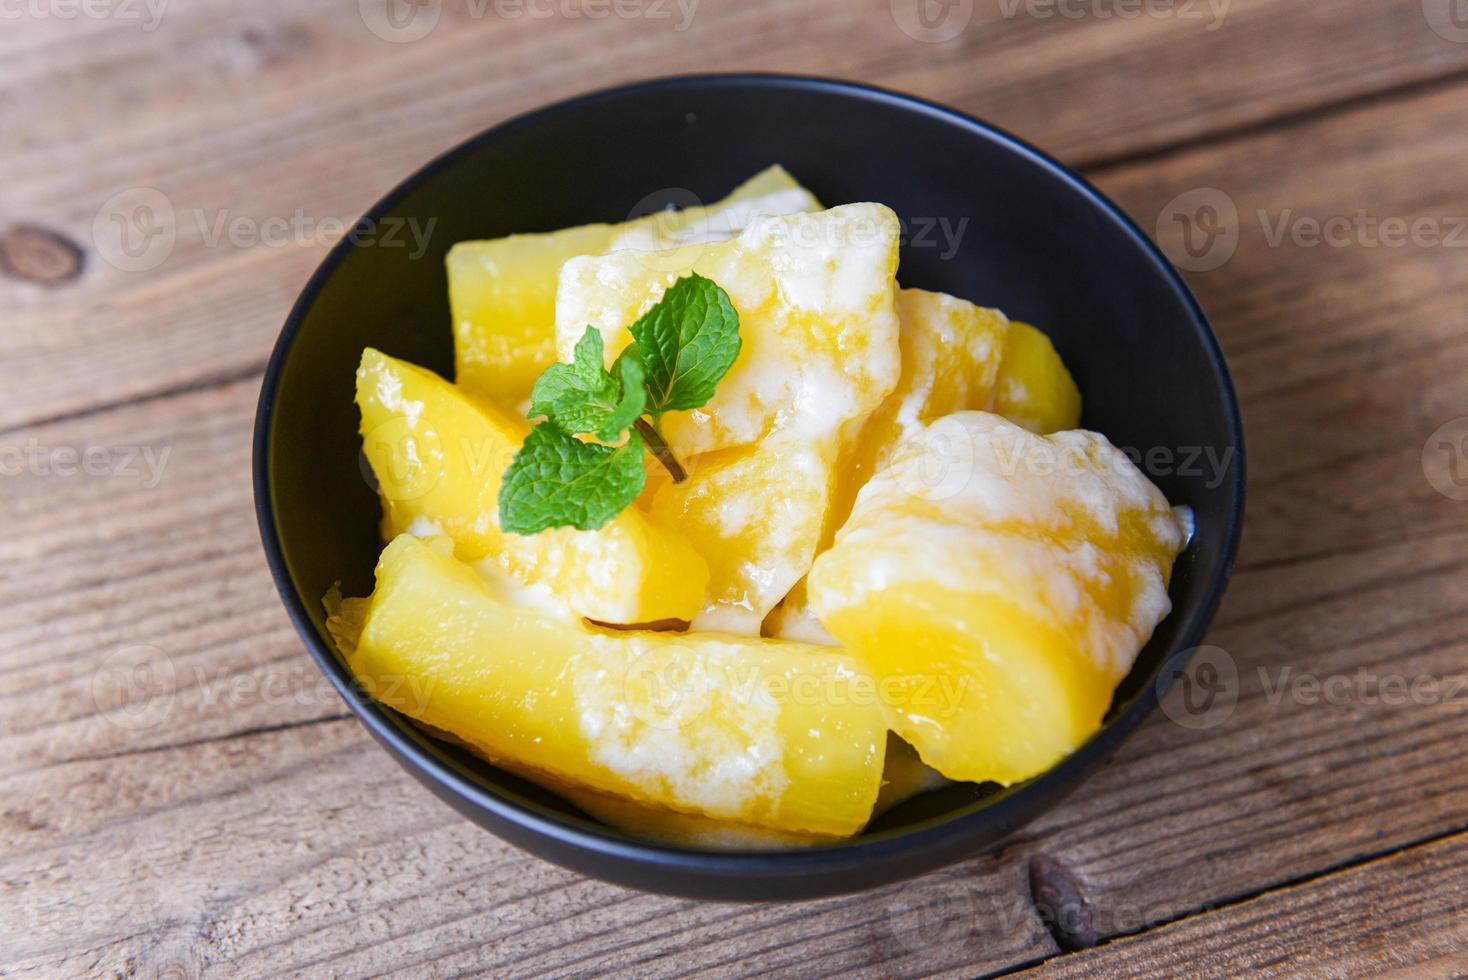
x=754 y=550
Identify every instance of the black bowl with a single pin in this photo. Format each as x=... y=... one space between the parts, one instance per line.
x=987 y=218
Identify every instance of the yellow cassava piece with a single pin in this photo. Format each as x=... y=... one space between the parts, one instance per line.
x=439 y=454
x=502 y=291
x=999 y=585
x=762 y=733
x=1034 y=389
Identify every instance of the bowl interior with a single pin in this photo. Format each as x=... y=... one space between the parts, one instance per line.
x=985 y=219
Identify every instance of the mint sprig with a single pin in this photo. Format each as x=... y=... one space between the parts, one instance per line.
x=681 y=349
x=558 y=480
x=687 y=342
x=584 y=396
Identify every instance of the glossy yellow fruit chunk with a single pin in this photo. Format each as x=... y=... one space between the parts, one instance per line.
x=502 y=292
x=756 y=732
x=950 y=360
x=903 y=777
x=755 y=513
x=815 y=296
x=438 y=455
x=818 y=326
x=1034 y=389
x=999 y=584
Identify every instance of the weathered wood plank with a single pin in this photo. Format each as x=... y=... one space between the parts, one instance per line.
x=141 y=578
x=1403 y=915
x=302 y=851
x=233 y=735
x=237 y=821
x=1347 y=360
x=323 y=116
x=1181 y=820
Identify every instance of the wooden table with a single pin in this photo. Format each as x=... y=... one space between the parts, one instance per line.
x=183 y=794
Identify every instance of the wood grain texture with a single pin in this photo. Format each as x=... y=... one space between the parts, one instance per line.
x=1404 y=915
x=277 y=120
x=183 y=793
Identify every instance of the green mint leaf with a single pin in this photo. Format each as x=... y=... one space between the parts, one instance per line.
x=680 y=350
x=556 y=480
x=584 y=396
x=630 y=374
x=687 y=343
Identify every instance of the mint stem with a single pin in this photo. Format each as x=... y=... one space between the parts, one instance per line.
x=659 y=447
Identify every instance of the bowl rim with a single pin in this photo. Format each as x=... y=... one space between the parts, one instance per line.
x=939 y=833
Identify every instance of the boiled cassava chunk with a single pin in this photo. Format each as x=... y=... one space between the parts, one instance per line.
x=758 y=732
x=818 y=326
x=1034 y=389
x=903 y=777
x=815 y=294
x=755 y=513
x=502 y=292
x=999 y=584
x=438 y=455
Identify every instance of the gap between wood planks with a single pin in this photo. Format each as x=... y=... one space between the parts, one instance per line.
x=1241 y=898
x=207 y=383
x=283 y=726
x=1400 y=92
